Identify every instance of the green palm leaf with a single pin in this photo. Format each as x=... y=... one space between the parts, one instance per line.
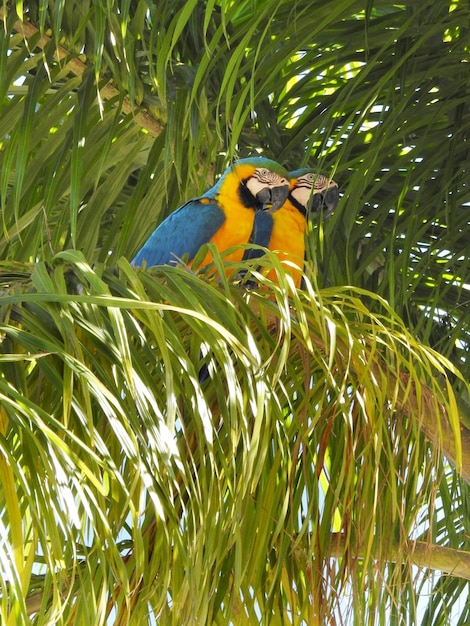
x=177 y=491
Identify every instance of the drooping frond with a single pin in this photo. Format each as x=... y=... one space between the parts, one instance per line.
x=201 y=500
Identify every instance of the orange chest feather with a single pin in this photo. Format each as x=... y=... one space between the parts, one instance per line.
x=288 y=234
x=238 y=223
x=288 y=239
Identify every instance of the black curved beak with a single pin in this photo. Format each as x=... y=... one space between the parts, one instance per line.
x=272 y=198
x=326 y=201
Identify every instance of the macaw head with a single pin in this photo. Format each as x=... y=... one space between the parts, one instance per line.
x=310 y=191
x=262 y=183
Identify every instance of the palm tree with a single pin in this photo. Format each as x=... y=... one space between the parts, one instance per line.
x=320 y=474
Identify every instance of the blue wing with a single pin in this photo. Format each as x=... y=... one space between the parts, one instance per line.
x=261 y=234
x=182 y=232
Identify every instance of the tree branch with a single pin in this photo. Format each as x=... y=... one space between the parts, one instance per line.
x=420 y=553
x=77 y=67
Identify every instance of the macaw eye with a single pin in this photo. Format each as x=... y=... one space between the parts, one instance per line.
x=306 y=179
x=265 y=175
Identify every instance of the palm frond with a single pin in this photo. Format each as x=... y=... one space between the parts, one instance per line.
x=307 y=429
x=310 y=459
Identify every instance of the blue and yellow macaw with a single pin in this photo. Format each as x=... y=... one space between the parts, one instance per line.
x=223 y=215
x=284 y=230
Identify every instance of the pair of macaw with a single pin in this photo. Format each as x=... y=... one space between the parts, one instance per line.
x=255 y=201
